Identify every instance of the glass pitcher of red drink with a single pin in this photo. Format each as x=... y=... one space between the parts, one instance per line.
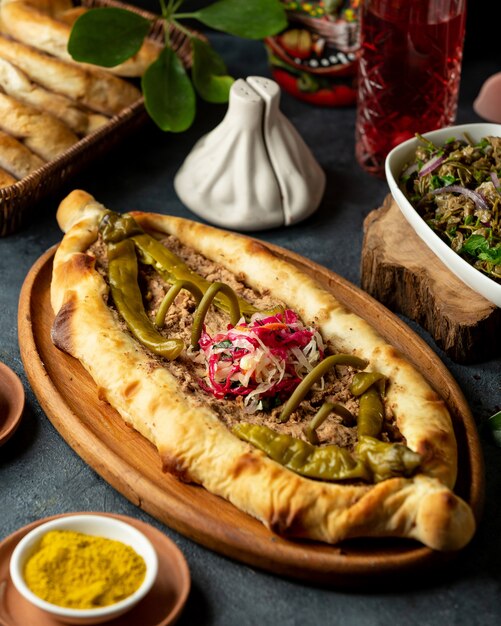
x=409 y=73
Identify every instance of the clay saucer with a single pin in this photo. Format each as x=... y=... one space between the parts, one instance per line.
x=11 y=402
x=161 y=607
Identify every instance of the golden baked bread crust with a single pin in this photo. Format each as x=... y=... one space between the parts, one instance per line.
x=47 y=104
x=16 y=84
x=196 y=446
x=6 y=179
x=34 y=26
x=16 y=158
x=42 y=133
x=93 y=87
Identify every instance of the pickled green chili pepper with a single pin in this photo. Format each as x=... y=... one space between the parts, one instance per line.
x=115 y=227
x=316 y=374
x=326 y=463
x=320 y=417
x=370 y=387
x=370 y=413
x=170 y=296
x=363 y=380
x=172 y=268
x=122 y=272
x=166 y=263
x=386 y=460
x=203 y=307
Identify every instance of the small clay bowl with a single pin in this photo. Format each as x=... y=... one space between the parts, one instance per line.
x=97 y=525
x=11 y=402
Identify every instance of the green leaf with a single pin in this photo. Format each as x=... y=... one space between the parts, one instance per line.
x=448 y=179
x=475 y=244
x=494 y=424
x=435 y=182
x=169 y=96
x=209 y=73
x=223 y=344
x=441 y=181
x=252 y=19
x=492 y=255
x=107 y=36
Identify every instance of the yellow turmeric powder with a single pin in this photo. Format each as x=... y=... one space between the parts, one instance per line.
x=80 y=571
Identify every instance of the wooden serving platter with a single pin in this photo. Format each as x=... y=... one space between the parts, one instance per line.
x=132 y=466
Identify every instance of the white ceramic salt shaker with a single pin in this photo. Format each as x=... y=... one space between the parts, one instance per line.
x=253 y=171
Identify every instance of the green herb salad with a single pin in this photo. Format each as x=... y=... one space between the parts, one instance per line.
x=456 y=190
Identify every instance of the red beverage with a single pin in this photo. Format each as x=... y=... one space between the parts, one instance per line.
x=409 y=72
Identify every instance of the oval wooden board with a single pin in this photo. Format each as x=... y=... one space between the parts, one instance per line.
x=132 y=466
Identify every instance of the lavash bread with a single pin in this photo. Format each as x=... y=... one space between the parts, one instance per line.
x=17 y=85
x=16 y=158
x=6 y=179
x=196 y=446
x=42 y=133
x=51 y=7
x=48 y=103
x=31 y=25
x=95 y=88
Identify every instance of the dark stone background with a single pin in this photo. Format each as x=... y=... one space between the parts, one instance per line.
x=41 y=476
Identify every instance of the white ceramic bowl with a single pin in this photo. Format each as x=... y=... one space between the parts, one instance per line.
x=395 y=162
x=98 y=525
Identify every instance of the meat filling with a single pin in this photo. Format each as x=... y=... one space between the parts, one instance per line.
x=178 y=323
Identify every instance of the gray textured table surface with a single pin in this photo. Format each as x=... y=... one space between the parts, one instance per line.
x=41 y=476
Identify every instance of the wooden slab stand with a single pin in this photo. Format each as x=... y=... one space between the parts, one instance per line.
x=399 y=270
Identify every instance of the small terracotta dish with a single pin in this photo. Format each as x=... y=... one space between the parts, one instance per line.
x=96 y=525
x=11 y=402
x=403 y=154
x=162 y=606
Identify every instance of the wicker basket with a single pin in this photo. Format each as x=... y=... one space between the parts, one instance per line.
x=17 y=199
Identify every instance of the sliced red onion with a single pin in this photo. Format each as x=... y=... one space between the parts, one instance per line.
x=479 y=200
x=495 y=180
x=410 y=170
x=431 y=165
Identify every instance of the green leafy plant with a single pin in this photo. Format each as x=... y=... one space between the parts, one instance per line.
x=109 y=36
